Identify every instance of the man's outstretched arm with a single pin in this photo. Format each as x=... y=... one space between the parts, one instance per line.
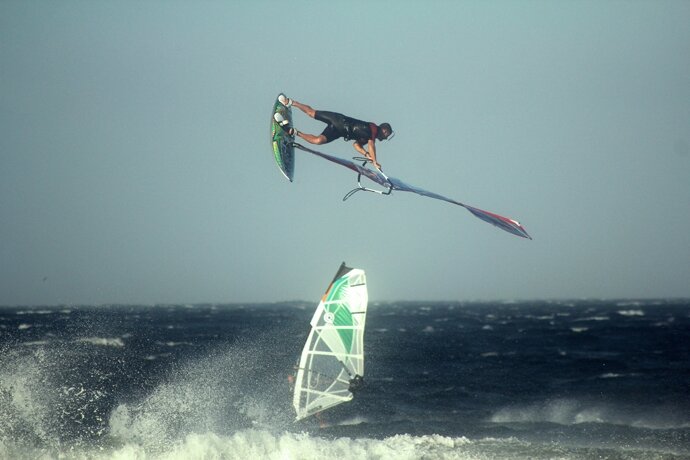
x=371 y=154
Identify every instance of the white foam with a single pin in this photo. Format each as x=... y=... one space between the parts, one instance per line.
x=563 y=412
x=173 y=344
x=102 y=341
x=594 y=318
x=36 y=343
x=631 y=312
x=155 y=357
x=260 y=444
x=572 y=411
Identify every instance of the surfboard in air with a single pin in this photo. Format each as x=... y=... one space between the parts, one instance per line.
x=282 y=142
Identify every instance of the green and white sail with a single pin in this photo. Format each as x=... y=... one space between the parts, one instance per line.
x=334 y=352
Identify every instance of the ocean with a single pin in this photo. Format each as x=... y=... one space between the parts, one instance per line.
x=582 y=379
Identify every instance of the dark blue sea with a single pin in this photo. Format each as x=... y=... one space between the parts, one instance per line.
x=581 y=379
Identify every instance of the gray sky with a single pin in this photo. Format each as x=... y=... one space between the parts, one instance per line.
x=136 y=167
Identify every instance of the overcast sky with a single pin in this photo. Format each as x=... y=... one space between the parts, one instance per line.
x=136 y=166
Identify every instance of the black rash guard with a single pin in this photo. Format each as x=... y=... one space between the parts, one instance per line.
x=348 y=128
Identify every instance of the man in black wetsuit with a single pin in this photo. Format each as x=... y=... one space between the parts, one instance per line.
x=364 y=133
x=356 y=384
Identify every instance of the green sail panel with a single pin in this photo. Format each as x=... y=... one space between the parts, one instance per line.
x=336 y=304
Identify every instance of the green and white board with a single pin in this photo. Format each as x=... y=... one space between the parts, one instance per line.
x=283 y=150
x=332 y=360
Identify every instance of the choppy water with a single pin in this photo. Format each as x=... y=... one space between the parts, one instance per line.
x=527 y=380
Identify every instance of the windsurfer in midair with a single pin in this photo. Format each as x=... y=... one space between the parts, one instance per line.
x=364 y=133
